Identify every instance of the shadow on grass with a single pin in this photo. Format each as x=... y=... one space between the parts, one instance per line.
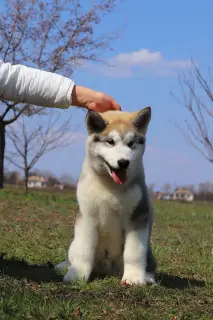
x=20 y=269
x=175 y=282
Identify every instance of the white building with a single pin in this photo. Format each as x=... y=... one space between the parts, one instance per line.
x=183 y=194
x=37 y=182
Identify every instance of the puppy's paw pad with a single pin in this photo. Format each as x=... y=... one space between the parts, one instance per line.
x=123 y=283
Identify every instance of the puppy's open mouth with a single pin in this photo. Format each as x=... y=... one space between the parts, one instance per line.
x=118 y=175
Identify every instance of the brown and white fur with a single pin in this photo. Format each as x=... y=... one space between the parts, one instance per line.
x=113 y=227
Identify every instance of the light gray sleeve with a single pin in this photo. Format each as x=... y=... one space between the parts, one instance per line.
x=22 y=84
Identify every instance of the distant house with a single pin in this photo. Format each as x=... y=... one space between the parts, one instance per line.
x=183 y=194
x=37 y=182
x=157 y=195
x=167 y=196
x=163 y=196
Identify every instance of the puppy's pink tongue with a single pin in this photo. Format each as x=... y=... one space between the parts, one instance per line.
x=117 y=179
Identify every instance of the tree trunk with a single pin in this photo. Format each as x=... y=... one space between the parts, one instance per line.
x=2 y=148
x=26 y=177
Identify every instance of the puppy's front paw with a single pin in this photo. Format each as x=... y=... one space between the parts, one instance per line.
x=133 y=277
x=75 y=273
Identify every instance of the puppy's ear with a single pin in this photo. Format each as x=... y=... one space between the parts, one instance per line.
x=141 y=120
x=94 y=122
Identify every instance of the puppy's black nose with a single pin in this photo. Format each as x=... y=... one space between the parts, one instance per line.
x=123 y=164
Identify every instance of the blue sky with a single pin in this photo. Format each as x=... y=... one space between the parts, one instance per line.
x=158 y=39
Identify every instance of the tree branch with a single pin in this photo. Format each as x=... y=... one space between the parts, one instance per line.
x=197 y=131
x=7 y=122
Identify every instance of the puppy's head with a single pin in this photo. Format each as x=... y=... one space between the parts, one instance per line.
x=116 y=142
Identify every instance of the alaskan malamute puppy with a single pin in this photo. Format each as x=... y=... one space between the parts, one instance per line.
x=114 y=222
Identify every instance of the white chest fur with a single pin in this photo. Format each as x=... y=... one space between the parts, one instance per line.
x=104 y=203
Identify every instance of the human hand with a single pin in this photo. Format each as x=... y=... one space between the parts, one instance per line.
x=93 y=100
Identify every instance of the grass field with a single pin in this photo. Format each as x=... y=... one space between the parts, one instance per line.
x=35 y=231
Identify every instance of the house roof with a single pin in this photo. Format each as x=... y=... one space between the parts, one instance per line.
x=183 y=191
x=37 y=178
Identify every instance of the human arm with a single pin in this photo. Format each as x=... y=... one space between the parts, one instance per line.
x=23 y=84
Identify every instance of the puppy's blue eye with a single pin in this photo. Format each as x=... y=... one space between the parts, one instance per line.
x=111 y=142
x=130 y=144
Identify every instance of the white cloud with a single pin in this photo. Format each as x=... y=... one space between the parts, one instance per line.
x=141 y=63
x=75 y=136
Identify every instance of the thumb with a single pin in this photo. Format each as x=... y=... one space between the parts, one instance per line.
x=115 y=105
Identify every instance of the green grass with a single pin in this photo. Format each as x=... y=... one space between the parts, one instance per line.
x=35 y=231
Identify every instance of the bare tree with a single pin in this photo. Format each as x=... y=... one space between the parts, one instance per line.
x=52 y=35
x=197 y=99
x=151 y=187
x=167 y=187
x=67 y=179
x=29 y=142
x=12 y=177
x=205 y=188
